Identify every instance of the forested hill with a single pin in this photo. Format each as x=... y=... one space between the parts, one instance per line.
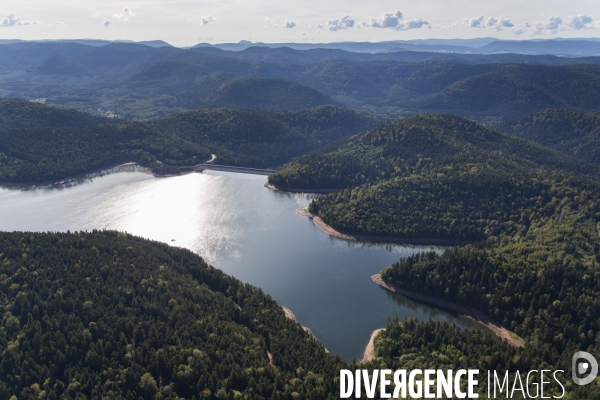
x=169 y=145
x=47 y=154
x=568 y=131
x=265 y=138
x=17 y=113
x=512 y=90
x=107 y=315
x=532 y=215
x=166 y=87
x=416 y=145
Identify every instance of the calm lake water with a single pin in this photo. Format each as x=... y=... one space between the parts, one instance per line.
x=245 y=230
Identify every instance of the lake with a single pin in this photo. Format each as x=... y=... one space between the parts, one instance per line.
x=247 y=231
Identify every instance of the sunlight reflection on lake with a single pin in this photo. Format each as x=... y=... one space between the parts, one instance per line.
x=244 y=229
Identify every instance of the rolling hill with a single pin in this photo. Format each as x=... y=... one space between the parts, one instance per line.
x=22 y=114
x=515 y=90
x=418 y=145
x=571 y=132
x=166 y=87
x=40 y=143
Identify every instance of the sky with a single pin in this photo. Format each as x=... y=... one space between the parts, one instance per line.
x=186 y=23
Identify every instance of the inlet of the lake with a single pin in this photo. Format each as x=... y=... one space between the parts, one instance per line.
x=247 y=231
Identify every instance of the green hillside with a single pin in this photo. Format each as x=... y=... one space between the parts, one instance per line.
x=22 y=114
x=515 y=90
x=264 y=138
x=532 y=215
x=166 y=87
x=571 y=132
x=61 y=65
x=68 y=146
x=44 y=154
x=427 y=143
x=107 y=315
x=413 y=344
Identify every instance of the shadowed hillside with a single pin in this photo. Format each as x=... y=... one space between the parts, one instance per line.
x=570 y=132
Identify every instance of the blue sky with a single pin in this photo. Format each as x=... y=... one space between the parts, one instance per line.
x=185 y=23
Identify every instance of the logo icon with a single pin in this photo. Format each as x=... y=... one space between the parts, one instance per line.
x=581 y=364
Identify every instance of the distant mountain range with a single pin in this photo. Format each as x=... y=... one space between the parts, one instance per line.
x=580 y=47
x=562 y=47
x=137 y=81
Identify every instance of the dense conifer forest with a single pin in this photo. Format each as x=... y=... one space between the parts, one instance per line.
x=568 y=131
x=413 y=344
x=108 y=315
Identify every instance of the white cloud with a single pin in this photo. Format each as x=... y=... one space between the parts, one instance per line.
x=395 y=20
x=416 y=23
x=13 y=20
x=125 y=15
x=289 y=24
x=320 y=26
x=552 y=23
x=206 y=20
x=549 y=26
x=106 y=23
x=388 y=20
x=340 y=24
x=497 y=23
x=580 y=21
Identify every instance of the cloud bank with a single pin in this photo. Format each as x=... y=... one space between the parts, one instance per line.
x=554 y=24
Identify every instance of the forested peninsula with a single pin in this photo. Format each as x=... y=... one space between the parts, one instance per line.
x=105 y=314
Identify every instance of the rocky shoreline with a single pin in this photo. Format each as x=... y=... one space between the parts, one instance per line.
x=468 y=312
x=290 y=315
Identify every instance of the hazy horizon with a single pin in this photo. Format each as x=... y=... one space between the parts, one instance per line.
x=185 y=23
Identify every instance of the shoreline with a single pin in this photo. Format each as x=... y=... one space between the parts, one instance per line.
x=270 y=186
x=290 y=315
x=470 y=313
x=370 y=349
x=376 y=239
x=83 y=175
